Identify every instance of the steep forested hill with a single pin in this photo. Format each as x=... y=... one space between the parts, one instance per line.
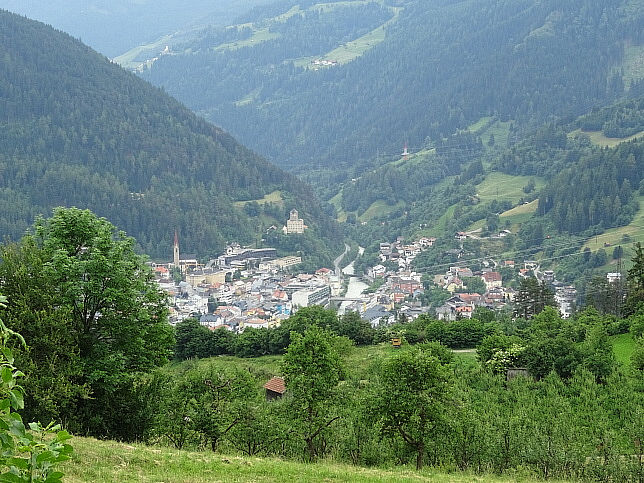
x=78 y=130
x=414 y=71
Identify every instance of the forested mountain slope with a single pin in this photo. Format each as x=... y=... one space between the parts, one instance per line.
x=414 y=71
x=78 y=130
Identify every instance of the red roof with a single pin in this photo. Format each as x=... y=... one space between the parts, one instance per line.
x=276 y=385
x=492 y=276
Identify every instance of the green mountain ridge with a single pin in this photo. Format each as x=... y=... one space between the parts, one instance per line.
x=438 y=68
x=78 y=130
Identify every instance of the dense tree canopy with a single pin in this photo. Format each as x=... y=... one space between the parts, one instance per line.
x=92 y=316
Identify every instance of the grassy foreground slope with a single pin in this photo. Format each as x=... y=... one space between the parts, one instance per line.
x=107 y=461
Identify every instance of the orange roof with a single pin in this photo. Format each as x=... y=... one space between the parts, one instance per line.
x=276 y=385
x=464 y=308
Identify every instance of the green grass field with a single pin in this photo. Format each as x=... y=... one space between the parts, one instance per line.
x=109 y=461
x=415 y=158
x=274 y=197
x=615 y=236
x=379 y=208
x=441 y=224
x=623 y=345
x=500 y=186
x=259 y=36
x=521 y=213
x=598 y=138
x=352 y=50
x=133 y=58
x=488 y=126
x=358 y=361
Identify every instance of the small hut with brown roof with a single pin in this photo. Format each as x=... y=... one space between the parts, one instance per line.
x=275 y=388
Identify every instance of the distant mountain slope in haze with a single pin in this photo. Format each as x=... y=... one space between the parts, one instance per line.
x=441 y=66
x=78 y=130
x=114 y=26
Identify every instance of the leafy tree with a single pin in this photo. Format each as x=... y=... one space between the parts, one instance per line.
x=253 y=343
x=412 y=400
x=192 y=340
x=225 y=399
x=474 y=285
x=312 y=370
x=599 y=356
x=113 y=314
x=492 y=344
x=257 y=430
x=28 y=455
x=558 y=354
x=350 y=325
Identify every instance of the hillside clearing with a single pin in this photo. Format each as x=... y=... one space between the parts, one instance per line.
x=623 y=346
x=274 y=197
x=379 y=208
x=488 y=126
x=599 y=139
x=352 y=50
x=500 y=186
x=633 y=232
x=258 y=37
x=521 y=213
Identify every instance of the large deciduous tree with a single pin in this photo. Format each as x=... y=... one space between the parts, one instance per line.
x=91 y=314
x=312 y=370
x=412 y=400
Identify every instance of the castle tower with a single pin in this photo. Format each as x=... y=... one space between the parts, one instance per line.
x=294 y=224
x=176 y=249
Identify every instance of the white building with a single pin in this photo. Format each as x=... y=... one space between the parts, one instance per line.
x=295 y=224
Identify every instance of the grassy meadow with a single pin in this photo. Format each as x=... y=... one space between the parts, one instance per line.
x=599 y=139
x=274 y=197
x=109 y=461
x=633 y=232
x=624 y=346
x=501 y=186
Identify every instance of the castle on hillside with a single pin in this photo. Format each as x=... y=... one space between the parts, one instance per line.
x=294 y=224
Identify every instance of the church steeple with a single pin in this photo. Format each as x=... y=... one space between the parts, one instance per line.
x=176 y=249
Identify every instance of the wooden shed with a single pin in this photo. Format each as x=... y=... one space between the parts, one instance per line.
x=275 y=388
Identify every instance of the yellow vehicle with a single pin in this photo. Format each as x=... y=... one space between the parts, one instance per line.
x=396 y=342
